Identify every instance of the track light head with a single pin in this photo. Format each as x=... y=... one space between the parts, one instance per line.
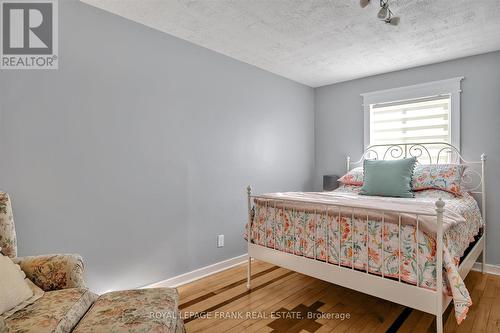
x=364 y=3
x=383 y=12
x=393 y=20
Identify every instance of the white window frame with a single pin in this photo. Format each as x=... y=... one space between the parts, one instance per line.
x=451 y=87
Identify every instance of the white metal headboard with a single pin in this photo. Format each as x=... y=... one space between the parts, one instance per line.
x=430 y=153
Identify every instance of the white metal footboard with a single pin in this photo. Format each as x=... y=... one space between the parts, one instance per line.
x=393 y=290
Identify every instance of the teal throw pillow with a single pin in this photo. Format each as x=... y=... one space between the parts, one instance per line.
x=388 y=178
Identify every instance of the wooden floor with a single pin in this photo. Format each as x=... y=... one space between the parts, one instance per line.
x=282 y=301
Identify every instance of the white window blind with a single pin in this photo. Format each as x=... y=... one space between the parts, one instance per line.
x=418 y=120
x=420 y=113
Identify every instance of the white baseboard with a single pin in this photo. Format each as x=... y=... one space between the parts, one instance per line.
x=491 y=269
x=199 y=273
x=229 y=263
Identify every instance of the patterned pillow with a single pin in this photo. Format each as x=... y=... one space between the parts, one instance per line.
x=353 y=177
x=445 y=177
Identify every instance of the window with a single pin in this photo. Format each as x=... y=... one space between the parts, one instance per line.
x=419 y=120
x=428 y=112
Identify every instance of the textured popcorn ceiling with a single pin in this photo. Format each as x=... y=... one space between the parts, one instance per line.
x=318 y=42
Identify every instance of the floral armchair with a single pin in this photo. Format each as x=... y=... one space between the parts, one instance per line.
x=68 y=306
x=8 y=240
x=60 y=276
x=49 y=272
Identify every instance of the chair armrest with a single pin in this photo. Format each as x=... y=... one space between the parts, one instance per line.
x=53 y=272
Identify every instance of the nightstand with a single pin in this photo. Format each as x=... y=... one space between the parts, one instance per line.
x=330 y=182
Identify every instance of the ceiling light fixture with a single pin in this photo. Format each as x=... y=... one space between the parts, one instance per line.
x=385 y=13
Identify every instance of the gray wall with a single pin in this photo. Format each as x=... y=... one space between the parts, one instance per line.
x=339 y=122
x=137 y=151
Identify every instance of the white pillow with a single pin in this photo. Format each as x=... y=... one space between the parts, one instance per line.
x=14 y=290
x=37 y=293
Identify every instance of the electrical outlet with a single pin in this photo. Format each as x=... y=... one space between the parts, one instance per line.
x=220 y=240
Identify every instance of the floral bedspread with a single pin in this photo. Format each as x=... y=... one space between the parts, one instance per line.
x=357 y=241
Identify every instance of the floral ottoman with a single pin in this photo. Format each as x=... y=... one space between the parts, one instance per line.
x=134 y=311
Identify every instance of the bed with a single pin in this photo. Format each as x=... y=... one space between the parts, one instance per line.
x=369 y=244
